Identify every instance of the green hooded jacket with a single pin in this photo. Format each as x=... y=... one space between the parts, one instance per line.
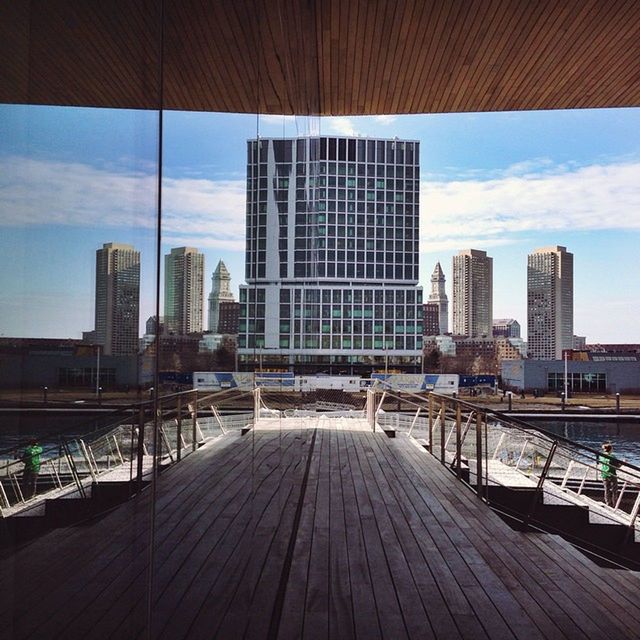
x=608 y=465
x=31 y=457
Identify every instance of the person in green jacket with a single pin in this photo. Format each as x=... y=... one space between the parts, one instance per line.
x=31 y=460
x=609 y=464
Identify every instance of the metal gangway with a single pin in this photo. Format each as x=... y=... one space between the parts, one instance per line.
x=142 y=438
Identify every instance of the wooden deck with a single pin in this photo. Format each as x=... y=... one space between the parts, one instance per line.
x=310 y=533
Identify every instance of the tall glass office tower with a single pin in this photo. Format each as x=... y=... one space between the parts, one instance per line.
x=332 y=254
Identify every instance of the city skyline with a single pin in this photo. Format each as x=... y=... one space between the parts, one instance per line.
x=504 y=182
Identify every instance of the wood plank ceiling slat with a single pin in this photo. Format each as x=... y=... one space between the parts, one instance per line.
x=323 y=56
x=607 y=28
x=480 y=60
x=424 y=36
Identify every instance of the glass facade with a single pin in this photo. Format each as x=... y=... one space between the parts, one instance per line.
x=332 y=247
x=578 y=382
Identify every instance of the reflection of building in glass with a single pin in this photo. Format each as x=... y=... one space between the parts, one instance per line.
x=117 y=298
x=472 y=293
x=183 y=290
x=220 y=294
x=506 y=328
x=332 y=253
x=549 y=302
x=438 y=297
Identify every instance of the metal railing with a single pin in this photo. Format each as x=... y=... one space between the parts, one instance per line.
x=146 y=435
x=489 y=449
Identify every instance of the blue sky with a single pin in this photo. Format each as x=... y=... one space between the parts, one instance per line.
x=72 y=179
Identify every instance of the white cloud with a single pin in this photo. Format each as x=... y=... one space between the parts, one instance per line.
x=476 y=212
x=495 y=210
x=50 y=192
x=385 y=119
x=340 y=125
x=204 y=212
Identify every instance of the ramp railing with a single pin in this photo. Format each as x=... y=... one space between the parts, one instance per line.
x=125 y=450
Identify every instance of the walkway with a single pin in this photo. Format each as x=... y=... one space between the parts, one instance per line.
x=311 y=533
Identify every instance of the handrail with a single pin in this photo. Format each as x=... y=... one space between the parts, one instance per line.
x=554 y=469
x=131 y=444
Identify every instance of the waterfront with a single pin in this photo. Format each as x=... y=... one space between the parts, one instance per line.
x=625 y=436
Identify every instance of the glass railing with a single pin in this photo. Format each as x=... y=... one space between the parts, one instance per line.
x=125 y=450
x=488 y=449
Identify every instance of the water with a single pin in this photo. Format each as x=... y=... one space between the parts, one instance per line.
x=625 y=436
x=17 y=428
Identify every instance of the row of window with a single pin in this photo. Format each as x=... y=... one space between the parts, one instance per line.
x=317 y=186
x=332 y=149
x=348 y=295
x=256 y=341
x=578 y=381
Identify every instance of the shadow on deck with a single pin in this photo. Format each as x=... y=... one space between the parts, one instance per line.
x=310 y=533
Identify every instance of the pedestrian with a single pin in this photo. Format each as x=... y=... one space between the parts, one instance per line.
x=609 y=464
x=31 y=461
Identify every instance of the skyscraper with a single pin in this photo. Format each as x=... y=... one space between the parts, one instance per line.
x=472 y=293
x=183 y=290
x=332 y=253
x=117 y=298
x=220 y=292
x=549 y=302
x=438 y=296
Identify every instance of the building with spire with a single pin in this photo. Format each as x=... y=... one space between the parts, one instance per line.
x=183 y=290
x=472 y=294
x=219 y=299
x=439 y=298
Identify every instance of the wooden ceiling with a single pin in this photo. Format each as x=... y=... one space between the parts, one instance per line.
x=329 y=57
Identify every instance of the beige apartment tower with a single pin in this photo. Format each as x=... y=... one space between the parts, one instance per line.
x=183 y=291
x=472 y=294
x=117 y=299
x=549 y=302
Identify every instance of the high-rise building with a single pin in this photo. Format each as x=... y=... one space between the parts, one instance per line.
x=549 y=302
x=183 y=291
x=332 y=254
x=438 y=296
x=472 y=293
x=220 y=292
x=117 y=298
x=431 y=319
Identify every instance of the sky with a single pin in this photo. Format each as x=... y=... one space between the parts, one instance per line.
x=72 y=179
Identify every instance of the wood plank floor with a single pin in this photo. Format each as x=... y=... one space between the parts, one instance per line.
x=310 y=533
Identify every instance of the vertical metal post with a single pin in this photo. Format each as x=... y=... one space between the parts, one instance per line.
x=540 y=485
x=194 y=422
x=179 y=429
x=140 y=451
x=479 y=465
x=443 y=413
x=157 y=443
x=430 y=424
x=458 y=441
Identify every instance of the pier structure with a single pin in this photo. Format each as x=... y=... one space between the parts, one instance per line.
x=318 y=524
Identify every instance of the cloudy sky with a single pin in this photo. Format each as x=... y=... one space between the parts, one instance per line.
x=507 y=183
